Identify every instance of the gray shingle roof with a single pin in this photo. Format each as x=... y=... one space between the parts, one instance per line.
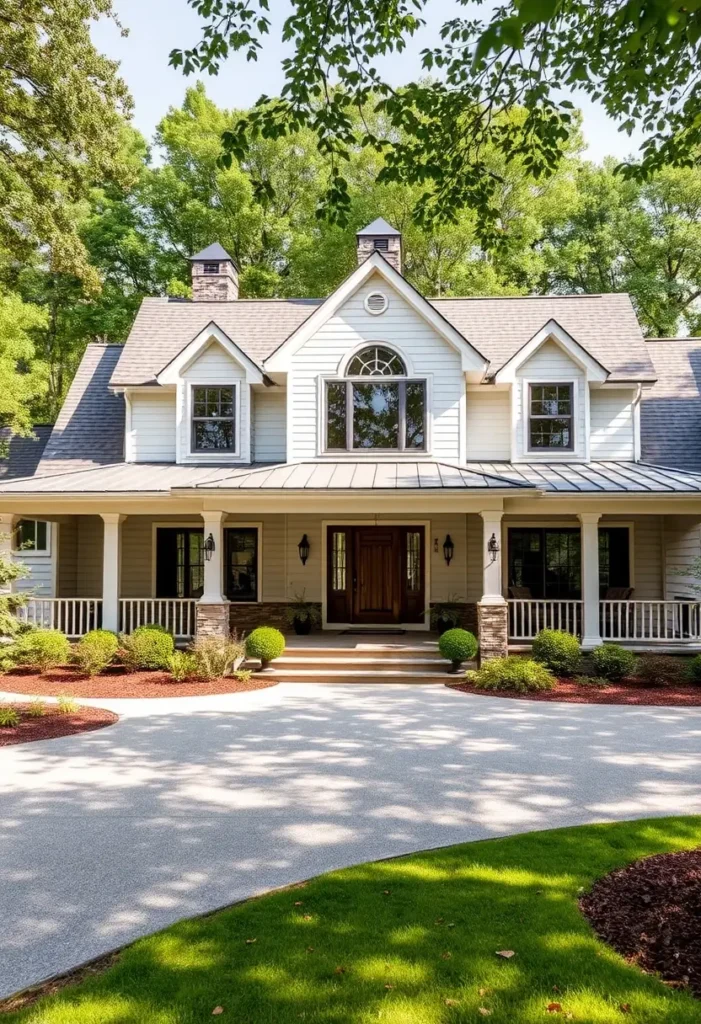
x=594 y=477
x=670 y=417
x=605 y=325
x=89 y=430
x=163 y=327
x=378 y=227
x=24 y=453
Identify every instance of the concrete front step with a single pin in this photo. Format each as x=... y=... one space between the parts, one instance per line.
x=350 y=661
x=354 y=675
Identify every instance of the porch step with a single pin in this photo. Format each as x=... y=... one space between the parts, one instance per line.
x=375 y=663
x=348 y=675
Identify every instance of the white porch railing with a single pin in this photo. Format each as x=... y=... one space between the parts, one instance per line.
x=74 y=616
x=527 y=616
x=651 y=621
x=177 y=615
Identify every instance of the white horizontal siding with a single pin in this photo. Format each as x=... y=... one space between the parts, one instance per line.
x=612 y=429
x=152 y=434
x=488 y=425
x=682 y=535
x=215 y=367
x=549 y=364
x=269 y=425
x=428 y=355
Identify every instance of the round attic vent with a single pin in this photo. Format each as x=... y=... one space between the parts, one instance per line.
x=376 y=303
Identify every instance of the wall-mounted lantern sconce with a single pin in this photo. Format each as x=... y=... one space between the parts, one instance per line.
x=448 y=549
x=493 y=548
x=209 y=548
x=303 y=548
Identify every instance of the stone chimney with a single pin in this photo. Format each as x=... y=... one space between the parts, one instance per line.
x=383 y=238
x=214 y=275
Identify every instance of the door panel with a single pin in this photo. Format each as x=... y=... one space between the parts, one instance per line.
x=376 y=574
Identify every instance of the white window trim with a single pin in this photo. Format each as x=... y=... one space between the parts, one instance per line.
x=192 y=454
x=33 y=552
x=373 y=454
x=544 y=524
x=184 y=524
x=580 y=450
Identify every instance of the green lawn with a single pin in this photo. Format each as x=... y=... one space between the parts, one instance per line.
x=408 y=941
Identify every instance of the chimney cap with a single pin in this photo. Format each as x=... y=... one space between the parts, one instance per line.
x=215 y=251
x=378 y=227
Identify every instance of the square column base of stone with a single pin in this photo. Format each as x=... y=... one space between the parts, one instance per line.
x=212 y=620
x=493 y=624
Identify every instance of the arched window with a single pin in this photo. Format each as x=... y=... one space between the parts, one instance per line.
x=376 y=361
x=363 y=416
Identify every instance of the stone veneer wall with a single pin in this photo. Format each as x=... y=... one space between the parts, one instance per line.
x=468 y=617
x=245 y=617
x=221 y=287
x=493 y=630
x=212 y=619
x=393 y=255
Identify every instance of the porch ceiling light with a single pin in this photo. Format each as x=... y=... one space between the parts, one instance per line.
x=209 y=547
x=448 y=549
x=303 y=548
x=493 y=548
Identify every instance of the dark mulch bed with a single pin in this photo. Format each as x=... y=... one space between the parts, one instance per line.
x=625 y=692
x=118 y=682
x=650 y=912
x=53 y=724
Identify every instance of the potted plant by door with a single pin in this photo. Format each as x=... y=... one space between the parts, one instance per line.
x=303 y=615
x=446 y=614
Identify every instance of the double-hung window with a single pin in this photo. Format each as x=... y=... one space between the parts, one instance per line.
x=32 y=535
x=550 y=423
x=214 y=419
x=387 y=414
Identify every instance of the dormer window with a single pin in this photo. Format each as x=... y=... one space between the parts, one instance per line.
x=387 y=414
x=214 y=419
x=550 y=416
x=210 y=268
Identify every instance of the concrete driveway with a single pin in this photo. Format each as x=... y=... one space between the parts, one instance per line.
x=190 y=804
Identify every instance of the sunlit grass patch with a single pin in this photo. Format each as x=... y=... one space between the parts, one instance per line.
x=408 y=941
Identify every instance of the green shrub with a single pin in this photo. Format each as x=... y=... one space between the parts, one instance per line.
x=658 y=669
x=216 y=657
x=512 y=673
x=66 y=705
x=557 y=650
x=596 y=682
x=95 y=651
x=457 y=645
x=36 y=709
x=147 y=647
x=613 y=662
x=42 y=649
x=182 y=666
x=242 y=675
x=693 y=670
x=9 y=717
x=265 y=643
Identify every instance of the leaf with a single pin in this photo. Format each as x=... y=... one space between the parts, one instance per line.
x=310 y=949
x=389 y=987
x=537 y=10
x=554 y=1007
x=484 y=1011
x=249 y=942
x=506 y=954
x=299 y=903
x=625 y=1008
x=217 y=1010
x=340 y=970
x=452 y=1002
x=446 y=956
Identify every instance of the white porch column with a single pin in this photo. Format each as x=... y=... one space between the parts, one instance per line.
x=213 y=567
x=591 y=636
x=111 y=569
x=492 y=610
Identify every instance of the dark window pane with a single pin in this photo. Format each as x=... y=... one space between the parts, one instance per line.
x=548 y=562
x=415 y=416
x=242 y=564
x=413 y=562
x=41 y=535
x=214 y=435
x=196 y=562
x=338 y=561
x=375 y=416
x=554 y=433
x=179 y=563
x=614 y=557
x=335 y=415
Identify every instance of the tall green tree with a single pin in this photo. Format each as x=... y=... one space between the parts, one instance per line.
x=61 y=110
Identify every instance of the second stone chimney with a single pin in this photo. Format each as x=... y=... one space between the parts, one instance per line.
x=383 y=238
x=214 y=275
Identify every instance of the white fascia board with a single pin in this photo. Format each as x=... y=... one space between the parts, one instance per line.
x=552 y=331
x=173 y=371
x=279 y=360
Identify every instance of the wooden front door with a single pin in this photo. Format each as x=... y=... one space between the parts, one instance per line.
x=375 y=574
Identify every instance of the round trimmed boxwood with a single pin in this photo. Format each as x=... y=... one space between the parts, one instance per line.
x=147 y=647
x=43 y=649
x=693 y=670
x=558 y=650
x=457 y=645
x=613 y=662
x=266 y=644
x=512 y=673
x=94 y=651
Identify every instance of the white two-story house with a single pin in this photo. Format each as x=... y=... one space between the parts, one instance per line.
x=534 y=459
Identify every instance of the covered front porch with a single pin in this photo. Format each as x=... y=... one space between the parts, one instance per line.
x=608 y=576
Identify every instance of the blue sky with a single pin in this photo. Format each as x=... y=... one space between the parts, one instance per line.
x=156 y=26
